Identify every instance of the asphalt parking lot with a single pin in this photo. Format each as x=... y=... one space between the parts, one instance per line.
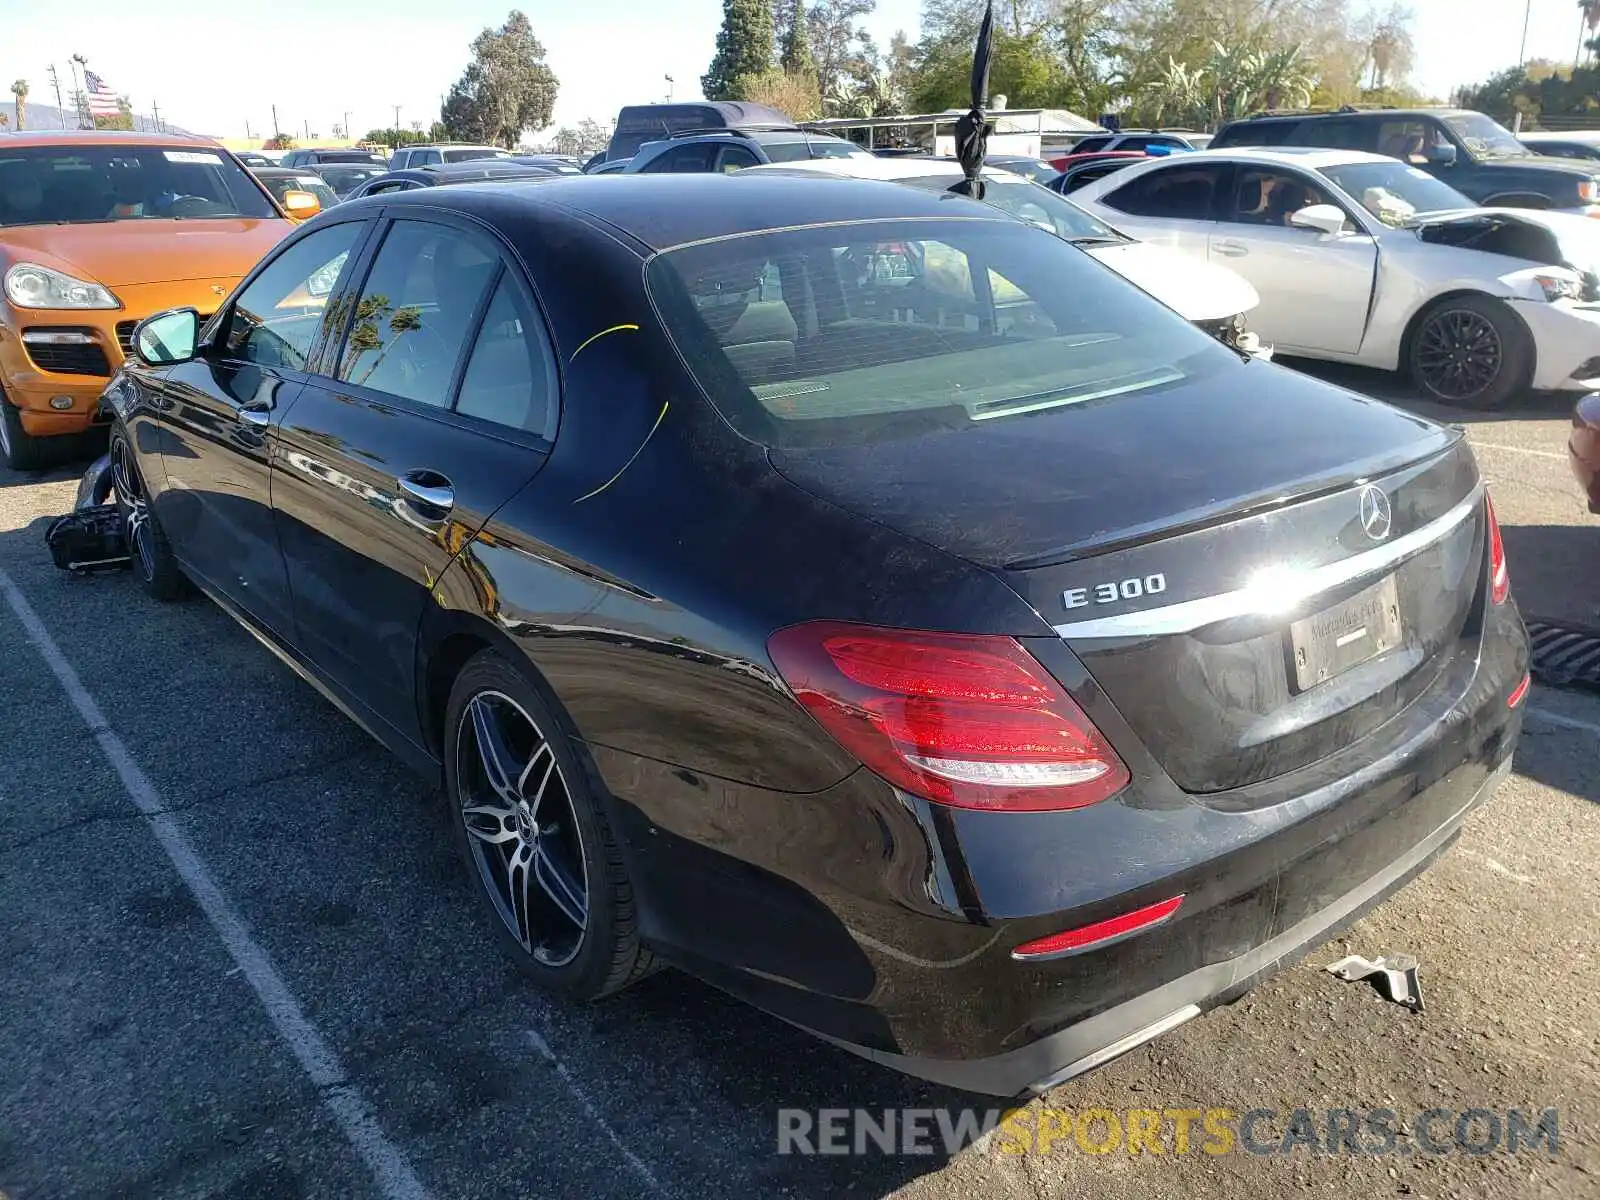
x=238 y=957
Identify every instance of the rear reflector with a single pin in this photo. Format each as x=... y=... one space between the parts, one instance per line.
x=966 y=720
x=1499 y=574
x=1089 y=937
x=1520 y=692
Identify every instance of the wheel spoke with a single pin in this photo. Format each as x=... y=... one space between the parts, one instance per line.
x=499 y=763
x=493 y=824
x=565 y=891
x=519 y=880
x=548 y=756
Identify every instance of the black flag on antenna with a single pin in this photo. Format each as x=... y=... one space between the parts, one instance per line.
x=972 y=130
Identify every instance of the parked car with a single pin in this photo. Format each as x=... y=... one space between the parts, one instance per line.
x=735 y=149
x=1025 y=165
x=285 y=183
x=898 y=152
x=253 y=158
x=430 y=154
x=1363 y=259
x=561 y=164
x=1092 y=167
x=641 y=123
x=1583 y=144
x=1471 y=152
x=884 y=660
x=472 y=171
x=1211 y=296
x=1583 y=447
x=97 y=230
x=613 y=166
x=319 y=157
x=1138 y=140
x=345 y=178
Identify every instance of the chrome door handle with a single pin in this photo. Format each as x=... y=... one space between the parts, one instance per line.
x=258 y=416
x=1231 y=249
x=428 y=490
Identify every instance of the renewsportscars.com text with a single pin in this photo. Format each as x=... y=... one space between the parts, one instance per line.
x=1372 y=1132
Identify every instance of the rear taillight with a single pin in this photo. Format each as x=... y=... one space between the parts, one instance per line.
x=1101 y=933
x=1499 y=576
x=966 y=720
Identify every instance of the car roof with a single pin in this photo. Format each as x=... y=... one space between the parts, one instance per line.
x=102 y=137
x=445 y=146
x=1313 y=158
x=662 y=211
x=891 y=169
x=1375 y=113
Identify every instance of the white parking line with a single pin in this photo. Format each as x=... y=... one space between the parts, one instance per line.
x=1518 y=450
x=633 y=1160
x=395 y=1178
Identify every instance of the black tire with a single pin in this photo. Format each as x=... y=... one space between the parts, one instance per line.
x=19 y=448
x=149 y=553
x=606 y=954
x=1470 y=352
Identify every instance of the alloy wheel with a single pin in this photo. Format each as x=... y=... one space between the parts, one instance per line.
x=135 y=507
x=5 y=438
x=1459 y=353
x=522 y=827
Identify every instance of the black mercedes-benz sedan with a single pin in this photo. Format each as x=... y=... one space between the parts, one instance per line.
x=853 y=596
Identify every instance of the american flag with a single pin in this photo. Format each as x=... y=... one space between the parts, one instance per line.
x=102 y=100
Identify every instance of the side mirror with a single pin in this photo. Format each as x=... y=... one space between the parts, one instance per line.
x=167 y=337
x=301 y=205
x=1327 y=219
x=1442 y=154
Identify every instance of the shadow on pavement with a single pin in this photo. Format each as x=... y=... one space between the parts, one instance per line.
x=1555 y=571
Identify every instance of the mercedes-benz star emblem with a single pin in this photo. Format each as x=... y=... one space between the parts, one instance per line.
x=1375 y=516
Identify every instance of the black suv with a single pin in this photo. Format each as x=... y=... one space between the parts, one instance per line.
x=1467 y=150
x=728 y=150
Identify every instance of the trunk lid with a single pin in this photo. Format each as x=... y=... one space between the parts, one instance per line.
x=1189 y=547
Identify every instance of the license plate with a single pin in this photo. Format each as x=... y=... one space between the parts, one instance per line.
x=1334 y=640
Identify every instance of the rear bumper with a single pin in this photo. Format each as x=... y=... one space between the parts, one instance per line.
x=1097 y=1040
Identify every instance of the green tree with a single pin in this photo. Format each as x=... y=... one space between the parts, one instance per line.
x=795 y=95
x=844 y=52
x=592 y=135
x=796 y=58
x=1022 y=69
x=507 y=87
x=395 y=138
x=744 y=48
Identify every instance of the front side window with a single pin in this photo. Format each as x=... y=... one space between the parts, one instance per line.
x=1268 y=196
x=1180 y=192
x=42 y=185
x=473 y=154
x=736 y=158
x=274 y=322
x=854 y=333
x=511 y=376
x=794 y=150
x=423 y=158
x=687 y=159
x=415 y=312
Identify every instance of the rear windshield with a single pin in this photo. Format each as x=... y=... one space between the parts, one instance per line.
x=345 y=178
x=50 y=184
x=472 y=154
x=280 y=185
x=1027 y=201
x=846 y=334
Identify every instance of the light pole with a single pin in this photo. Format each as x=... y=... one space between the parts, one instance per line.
x=669 y=88
x=1527 y=14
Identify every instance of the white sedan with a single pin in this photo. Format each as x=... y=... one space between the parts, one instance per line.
x=1365 y=259
x=1210 y=296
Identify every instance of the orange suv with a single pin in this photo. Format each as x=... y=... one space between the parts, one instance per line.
x=98 y=230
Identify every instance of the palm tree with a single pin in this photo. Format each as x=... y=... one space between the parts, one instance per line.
x=19 y=89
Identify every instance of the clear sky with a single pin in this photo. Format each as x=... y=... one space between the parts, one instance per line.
x=214 y=67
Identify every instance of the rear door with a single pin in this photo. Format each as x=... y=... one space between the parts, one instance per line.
x=1316 y=289
x=434 y=405
x=1174 y=204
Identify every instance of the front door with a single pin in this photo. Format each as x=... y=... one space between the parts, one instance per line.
x=221 y=413
x=1315 y=288
x=437 y=406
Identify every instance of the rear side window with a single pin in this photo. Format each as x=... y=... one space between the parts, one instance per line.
x=855 y=333
x=790 y=151
x=511 y=376
x=275 y=320
x=422 y=158
x=1180 y=192
x=1090 y=144
x=415 y=312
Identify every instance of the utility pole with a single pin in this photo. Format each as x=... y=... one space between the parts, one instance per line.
x=347 y=136
x=276 y=132
x=308 y=128
x=55 y=82
x=669 y=88
x=80 y=97
x=247 y=132
x=155 y=113
x=396 y=125
x=1527 y=15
